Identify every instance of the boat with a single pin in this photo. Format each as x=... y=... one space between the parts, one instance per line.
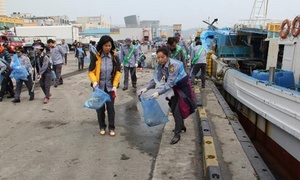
x=258 y=67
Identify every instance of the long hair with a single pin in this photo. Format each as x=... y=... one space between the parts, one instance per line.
x=103 y=40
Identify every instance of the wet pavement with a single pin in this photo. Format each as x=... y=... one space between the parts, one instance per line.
x=60 y=140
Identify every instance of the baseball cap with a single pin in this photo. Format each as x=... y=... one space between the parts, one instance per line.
x=127 y=40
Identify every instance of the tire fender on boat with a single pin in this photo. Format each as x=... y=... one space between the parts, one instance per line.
x=283 y=34
x=296 y=29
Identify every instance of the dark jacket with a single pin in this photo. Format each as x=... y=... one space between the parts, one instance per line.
x=4 y=54
x=77 y=53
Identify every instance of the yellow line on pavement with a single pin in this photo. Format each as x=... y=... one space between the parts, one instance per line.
x=209 y=153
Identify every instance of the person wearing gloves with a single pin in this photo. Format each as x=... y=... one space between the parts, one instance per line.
x=25 y=62
x=104 y=73
x=44 y=70
x=129 y=57
x=183 y=102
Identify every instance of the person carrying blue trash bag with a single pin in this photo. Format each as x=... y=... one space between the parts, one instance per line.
x=104 y=74
x=182 y=103
x=97 y=99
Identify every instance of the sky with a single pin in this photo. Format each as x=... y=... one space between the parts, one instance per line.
x=189 y=13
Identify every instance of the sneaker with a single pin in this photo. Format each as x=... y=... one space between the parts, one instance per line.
x=16 y=101
x=112 y=132
x=102 y=132
x=125 y=88
x=134 y=86
x=46 y=100
x=55 y=85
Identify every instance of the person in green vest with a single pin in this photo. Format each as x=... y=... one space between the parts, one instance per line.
x=176 y=52
x=198 y=58
x=129 y=57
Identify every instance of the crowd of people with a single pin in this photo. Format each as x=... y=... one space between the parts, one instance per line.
x=106 y=62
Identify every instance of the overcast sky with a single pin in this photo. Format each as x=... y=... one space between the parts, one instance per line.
x=189 y=13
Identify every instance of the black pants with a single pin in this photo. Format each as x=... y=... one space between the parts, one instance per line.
x=66 y=58
x=80 y=63
x=132 y=74
x=173 y=103
x=110 y=106
x=45 y=83
x=7 y=85
x=196 y=69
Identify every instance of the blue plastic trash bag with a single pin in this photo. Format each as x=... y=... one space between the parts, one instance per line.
x=19 y=72
x=86 y=59
x=97 y=99
x=53 y=75
x=153 y=114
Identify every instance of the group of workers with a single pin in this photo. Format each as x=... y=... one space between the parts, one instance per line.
x=105 y=70
x=171 y=73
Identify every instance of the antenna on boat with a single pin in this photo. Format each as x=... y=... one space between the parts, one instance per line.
x=211 y=25
x=258 y=14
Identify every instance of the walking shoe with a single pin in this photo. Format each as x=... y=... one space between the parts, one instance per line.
x=46 y=100
x=112 y=132
x=125 y=88
x=134 y=86
x=55 y=85
x=16 y=101
x=102 y=132
x=31 y=98
x=175 y=139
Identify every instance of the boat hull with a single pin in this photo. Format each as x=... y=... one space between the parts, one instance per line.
x=270 y=115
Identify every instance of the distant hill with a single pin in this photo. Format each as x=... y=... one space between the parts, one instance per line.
x=186 y=34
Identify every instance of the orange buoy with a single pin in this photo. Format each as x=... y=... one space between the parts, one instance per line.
x=296 y=26
x=283 y=34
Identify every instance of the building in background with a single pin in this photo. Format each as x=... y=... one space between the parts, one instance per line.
x=132 y=21
x=2 y=8
x=8 y=22
x=93 y=22
x=32 y=20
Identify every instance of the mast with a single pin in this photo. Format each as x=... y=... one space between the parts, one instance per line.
x=258 y=14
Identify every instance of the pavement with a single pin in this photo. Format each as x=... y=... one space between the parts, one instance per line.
x=134 y=144
x=187 y=159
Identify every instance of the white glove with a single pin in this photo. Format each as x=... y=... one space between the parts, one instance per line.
x=136 y=65
x=95 y=84
x=142 y=91
x=114 y=89
x=155 y=95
